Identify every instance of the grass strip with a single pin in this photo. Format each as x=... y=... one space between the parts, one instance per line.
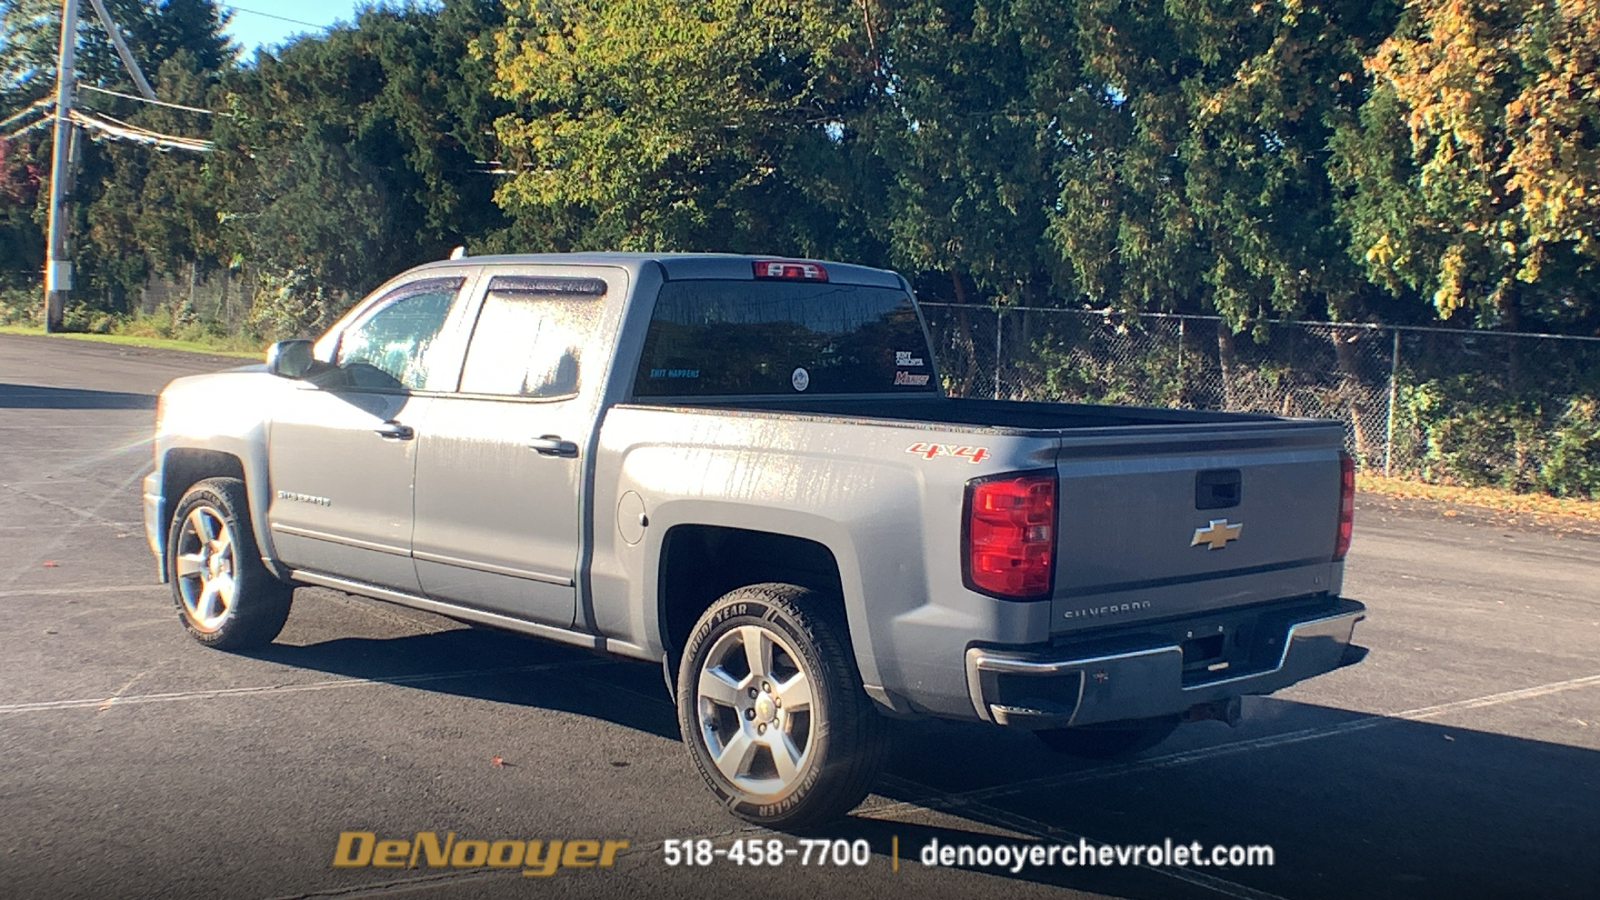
x=128 y=340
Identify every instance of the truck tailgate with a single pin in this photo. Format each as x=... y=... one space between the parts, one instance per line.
x=1154 y=523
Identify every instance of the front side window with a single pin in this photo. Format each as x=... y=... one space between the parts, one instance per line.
x=395 y=348
x=530 y=336
x=730 y=338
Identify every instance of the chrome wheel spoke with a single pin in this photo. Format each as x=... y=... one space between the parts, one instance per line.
x=717 y=686
x=757 y=651
x=734 y=760
x=794 y=694
x=205 y=606
x=224 y=586
x=190 y=564
x=785 y=756
x=203 y=525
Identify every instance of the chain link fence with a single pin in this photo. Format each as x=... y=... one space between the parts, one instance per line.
x=1472 y=407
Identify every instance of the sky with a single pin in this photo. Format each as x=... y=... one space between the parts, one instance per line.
x=253 y=23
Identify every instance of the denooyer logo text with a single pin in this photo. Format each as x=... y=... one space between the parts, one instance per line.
x=535 y=858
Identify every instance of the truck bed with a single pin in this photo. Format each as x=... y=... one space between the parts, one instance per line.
x=1138 y=488
x=1011 y=415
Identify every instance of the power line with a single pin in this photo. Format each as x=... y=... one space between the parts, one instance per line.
x=36 y=124
x=25 y=111
x=193 y=109
x=123 y=131
x=279 y=18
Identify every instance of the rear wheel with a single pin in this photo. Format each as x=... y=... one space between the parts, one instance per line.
x=1112 y=740
x=772 y=709
x=225 y=597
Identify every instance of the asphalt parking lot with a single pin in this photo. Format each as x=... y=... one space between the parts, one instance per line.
x=1461 y=759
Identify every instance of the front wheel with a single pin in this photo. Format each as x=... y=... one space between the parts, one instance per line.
x=772 y=709
x=225 y=597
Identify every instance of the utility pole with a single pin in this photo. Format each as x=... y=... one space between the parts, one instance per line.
x=58 y=265
x=123 y=53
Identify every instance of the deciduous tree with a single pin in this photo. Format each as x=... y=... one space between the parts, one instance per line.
x=1474 y=172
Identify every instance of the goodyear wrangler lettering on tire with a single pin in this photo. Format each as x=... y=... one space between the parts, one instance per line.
x=539 y=858
x=772 y=709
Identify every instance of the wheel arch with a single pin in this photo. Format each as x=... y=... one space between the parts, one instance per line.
x=700 y=563
x=184 y=467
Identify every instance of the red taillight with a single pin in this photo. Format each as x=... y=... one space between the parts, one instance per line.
x=1347 y=505
x=789 y=270
x=1009 y=536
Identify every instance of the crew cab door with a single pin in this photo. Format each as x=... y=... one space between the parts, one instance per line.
x=341 y=450
x=501 y=466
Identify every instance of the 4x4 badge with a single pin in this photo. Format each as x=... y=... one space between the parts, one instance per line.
x=1217 y=534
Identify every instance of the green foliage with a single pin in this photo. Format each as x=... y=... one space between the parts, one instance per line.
x=1474 y=169
x=1197 y=132
x=1571 y=462
x=21 y=306
x=1111 y=361
x=961 y=147
x=683 y=124
x=1475 y=432
x=294 y=304
x=21 y=240
x=348 y=158
x=1321 y=158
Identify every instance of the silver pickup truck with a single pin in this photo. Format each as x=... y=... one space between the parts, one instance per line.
x=744 y=469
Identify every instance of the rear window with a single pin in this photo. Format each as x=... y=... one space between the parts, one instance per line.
x=730 y=338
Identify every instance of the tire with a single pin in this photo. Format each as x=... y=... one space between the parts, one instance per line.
x=782 y=768
x=225 y=597
x=1113 y=740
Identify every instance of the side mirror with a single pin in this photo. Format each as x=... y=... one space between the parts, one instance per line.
x=290 y=359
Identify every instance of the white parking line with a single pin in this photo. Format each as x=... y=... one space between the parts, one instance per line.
x=401 y=885
x=87 y=515
x=971 y=803
x=184 y=696
x=151 y=586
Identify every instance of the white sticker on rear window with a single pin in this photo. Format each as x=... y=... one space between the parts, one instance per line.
x=907 y=359
x=801 y=379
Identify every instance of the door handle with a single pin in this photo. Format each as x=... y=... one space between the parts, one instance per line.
x=553 y=445
x=394 y=431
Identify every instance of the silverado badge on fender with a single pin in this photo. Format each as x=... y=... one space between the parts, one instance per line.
x=1217 y=534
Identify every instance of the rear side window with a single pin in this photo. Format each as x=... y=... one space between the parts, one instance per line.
x=530 y=336
x=730 y=338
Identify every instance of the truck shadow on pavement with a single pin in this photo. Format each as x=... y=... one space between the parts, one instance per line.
x=1352 y=804
x=499 y=667
x=35 y=396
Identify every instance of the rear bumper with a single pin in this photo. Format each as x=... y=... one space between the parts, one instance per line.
x=1126 y=677
x=155 y=515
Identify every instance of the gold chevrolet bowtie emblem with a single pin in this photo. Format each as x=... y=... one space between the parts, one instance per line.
x=1217 y=534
